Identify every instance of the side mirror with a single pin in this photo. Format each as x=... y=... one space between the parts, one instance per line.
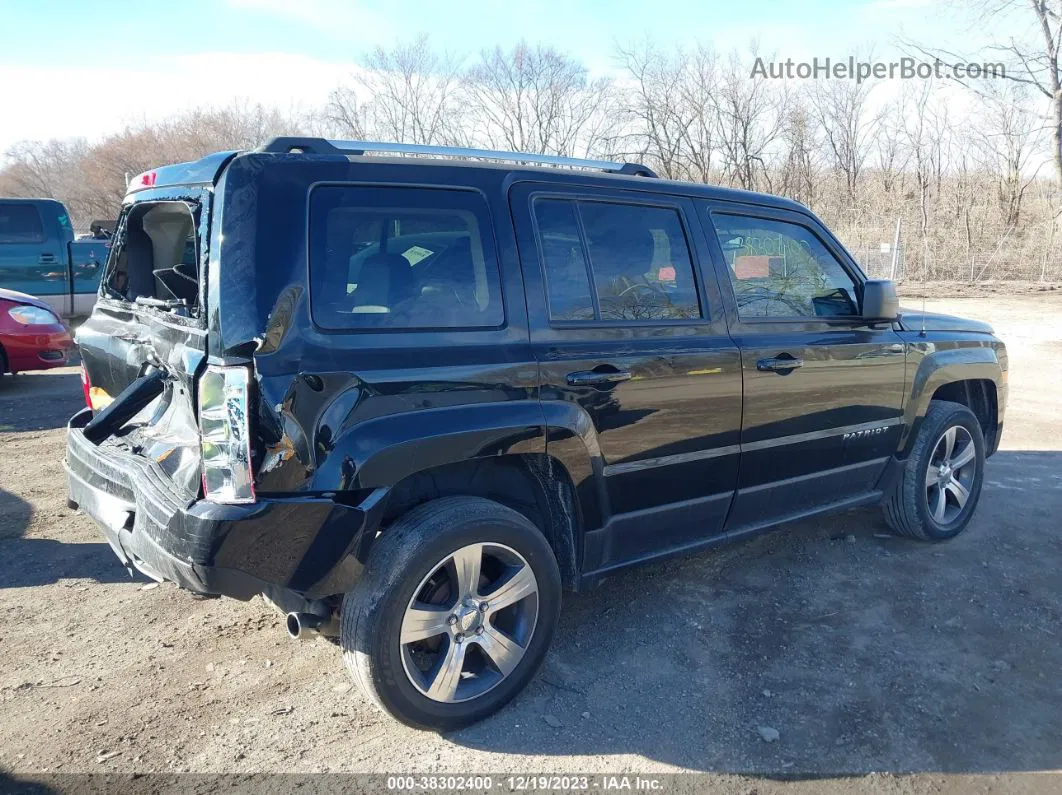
x=880 y=301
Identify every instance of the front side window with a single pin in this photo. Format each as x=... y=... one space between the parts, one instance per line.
x=402 y=258
x=636 y=255
x=20 y=223
x=779 y=269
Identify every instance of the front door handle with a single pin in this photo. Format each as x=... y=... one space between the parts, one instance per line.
x=593 y=378
x=46 y=259
x=782 y=366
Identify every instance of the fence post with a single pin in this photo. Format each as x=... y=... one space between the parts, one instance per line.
x=895 y=249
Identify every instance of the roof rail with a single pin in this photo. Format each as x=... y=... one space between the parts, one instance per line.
x=321 y=146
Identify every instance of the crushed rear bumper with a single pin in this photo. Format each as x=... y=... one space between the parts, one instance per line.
x=307 y=546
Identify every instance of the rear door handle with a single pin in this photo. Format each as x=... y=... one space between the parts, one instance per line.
x=46 y=259
x=133 y=338
x=592 y=377
x=778 y=365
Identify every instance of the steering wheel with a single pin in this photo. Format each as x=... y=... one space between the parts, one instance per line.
x=639 y=286
x=754 y=293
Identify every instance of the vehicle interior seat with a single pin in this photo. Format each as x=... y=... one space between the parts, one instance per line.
x=384 y=281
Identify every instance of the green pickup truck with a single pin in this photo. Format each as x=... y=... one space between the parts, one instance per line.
x=39 y=255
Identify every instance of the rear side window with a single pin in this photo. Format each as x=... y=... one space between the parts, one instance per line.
x=402 y=258
x=607 y=261
x=20 y=223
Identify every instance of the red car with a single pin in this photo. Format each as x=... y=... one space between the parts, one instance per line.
x=32 y=337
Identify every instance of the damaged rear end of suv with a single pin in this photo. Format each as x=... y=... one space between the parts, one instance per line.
x=292 y=349
x=165 y=454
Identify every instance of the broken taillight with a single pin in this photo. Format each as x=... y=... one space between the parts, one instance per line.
x=86 y=386
x=225 y=434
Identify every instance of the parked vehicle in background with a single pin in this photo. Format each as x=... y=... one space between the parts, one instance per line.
x=39 y=256
x=409 y=400
x=32 y=336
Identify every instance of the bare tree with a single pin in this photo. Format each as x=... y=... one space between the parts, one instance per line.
x=1032 y=59
x=892 y=156
x=964 y=196
x=749 y=113
x=1006 y=142
x=668 y=109
x=41 y=168
x=916 y=131
x=535 y=99
x=1039 y=58
x=654 y=125
x=798 y=169
x=91 y=180
x=700 y=79
x=344 y=115
x=840 y=107
x=410 y=96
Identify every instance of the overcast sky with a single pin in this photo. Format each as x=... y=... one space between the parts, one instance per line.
x=77 y=68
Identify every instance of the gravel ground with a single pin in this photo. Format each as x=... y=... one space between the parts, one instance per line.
x=877 y=661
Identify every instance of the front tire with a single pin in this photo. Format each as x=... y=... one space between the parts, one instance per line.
x=941 y=482
x=453 y=614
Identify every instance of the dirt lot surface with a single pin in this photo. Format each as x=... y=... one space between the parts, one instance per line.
x=913 y=288
x=872 y=657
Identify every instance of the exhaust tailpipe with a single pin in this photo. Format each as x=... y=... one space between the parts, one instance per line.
x=302 y=626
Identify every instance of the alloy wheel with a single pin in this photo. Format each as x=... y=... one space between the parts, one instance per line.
x=469 y=622
x=950 y=475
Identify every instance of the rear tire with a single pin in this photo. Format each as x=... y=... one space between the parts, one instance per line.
x=469 y=657
x=941 y=482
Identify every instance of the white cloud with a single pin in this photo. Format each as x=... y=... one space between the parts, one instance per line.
x=99 y=100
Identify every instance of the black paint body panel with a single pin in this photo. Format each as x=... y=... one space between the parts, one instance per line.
x=697 y=447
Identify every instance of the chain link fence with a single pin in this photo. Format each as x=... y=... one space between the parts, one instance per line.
x=1032 y=254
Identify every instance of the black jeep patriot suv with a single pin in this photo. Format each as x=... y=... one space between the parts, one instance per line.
x=408 y=399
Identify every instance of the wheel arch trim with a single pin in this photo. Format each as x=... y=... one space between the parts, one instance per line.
x=938 y=368
x=382 y=452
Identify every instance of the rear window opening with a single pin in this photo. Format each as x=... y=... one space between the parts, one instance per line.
x=156 y=260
